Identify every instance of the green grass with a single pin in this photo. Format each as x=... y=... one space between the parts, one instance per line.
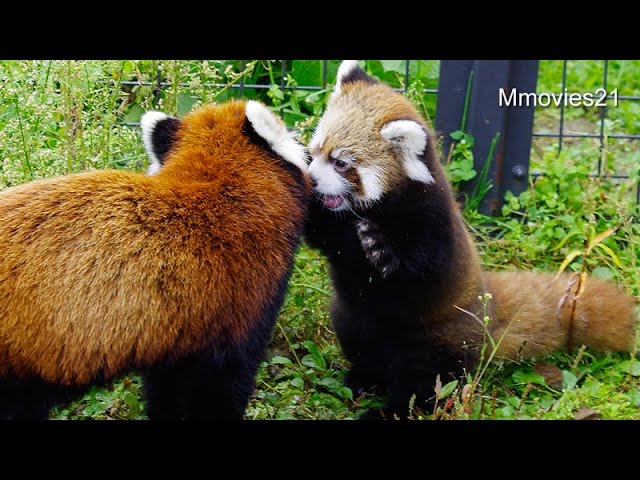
x=59 y=117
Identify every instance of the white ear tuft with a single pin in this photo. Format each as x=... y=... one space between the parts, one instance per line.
x=410 y=137
x=318 y=138
x=345 y=68
x=148 y=123
x=275 y=132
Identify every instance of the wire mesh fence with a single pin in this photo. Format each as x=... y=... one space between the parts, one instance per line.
x=541 y=133
x=601 y=134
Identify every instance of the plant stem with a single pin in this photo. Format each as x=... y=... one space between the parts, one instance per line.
x=293 y=350
x=25 y=149
x=247 y=69
x=312 y=287
x=463 y=124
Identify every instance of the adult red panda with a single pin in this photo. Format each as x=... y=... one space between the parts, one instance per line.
x=179 y=274
x=405 y=270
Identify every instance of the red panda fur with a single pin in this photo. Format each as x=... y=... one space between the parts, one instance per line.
x=524 y=303
x=534 y=314
x=405 y=269
x=110 y=270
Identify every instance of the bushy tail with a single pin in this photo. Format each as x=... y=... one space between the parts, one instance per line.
x=538 y=314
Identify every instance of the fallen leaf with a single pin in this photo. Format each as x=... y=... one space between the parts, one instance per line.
x=586 y=413
x=552 y=374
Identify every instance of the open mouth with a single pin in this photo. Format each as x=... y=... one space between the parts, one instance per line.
x=332 y=201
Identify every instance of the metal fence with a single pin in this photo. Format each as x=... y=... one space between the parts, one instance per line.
x=509 y=169
x=561 y=135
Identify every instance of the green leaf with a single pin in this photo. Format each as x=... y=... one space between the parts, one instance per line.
x=507 y=411
x=307 y=72
x=447 y=389
x=457 y=135
x=297 y=383
x=329 y=382
x=309 y=361
x=569 y=258
x=133 y=403
x=315 y=354
x=468 y=175
x=612 y=255
x=634 y=397
x=467 y=164
x=424 y=69
x=572 y=233
x=603 y=272
x=468 y=140
x=631 y=367
x=345 y=392
x=559 y=232
x=520 y=377
x=569 y=380
x=130 y=399
x=275 y=92
x=394 y=65
x=284 y=415
x=185 y=102
x=134 y=114
x=514 y=401
x=602 y=236
x=280 y=361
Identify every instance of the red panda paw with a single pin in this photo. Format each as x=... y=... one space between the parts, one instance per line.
x=376 y=248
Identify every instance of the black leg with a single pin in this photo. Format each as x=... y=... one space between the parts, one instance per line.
x=216 y=383
x=365 y=349
x=414 y=372
x=30 y=399
x=163 y=387
x=220 y=386
x=204 y=386
x=365 y=377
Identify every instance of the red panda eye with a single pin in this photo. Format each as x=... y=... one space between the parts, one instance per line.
x=341 y=164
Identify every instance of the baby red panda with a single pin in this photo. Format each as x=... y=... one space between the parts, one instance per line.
x=405 y=270
x=179 y=274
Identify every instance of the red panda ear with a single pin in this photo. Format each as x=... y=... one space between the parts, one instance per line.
x=158 y=135
x=411 y=139
x=274 y=133
x=350 y=71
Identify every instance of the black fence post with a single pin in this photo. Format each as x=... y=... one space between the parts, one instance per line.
x=509 y=168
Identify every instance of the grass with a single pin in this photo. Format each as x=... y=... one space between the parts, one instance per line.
x=59 y=117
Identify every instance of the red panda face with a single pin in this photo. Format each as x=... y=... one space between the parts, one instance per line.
x=367 y=142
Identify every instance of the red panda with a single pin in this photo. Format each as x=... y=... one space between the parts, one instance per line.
x=179 y=273
x=405 y=270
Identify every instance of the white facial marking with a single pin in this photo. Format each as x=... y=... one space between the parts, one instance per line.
x=371 y=178
x=412 y=139
x=346 y=67
x=328 y=181
x=148 y=124
x=268 y=126
x=342 y=154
